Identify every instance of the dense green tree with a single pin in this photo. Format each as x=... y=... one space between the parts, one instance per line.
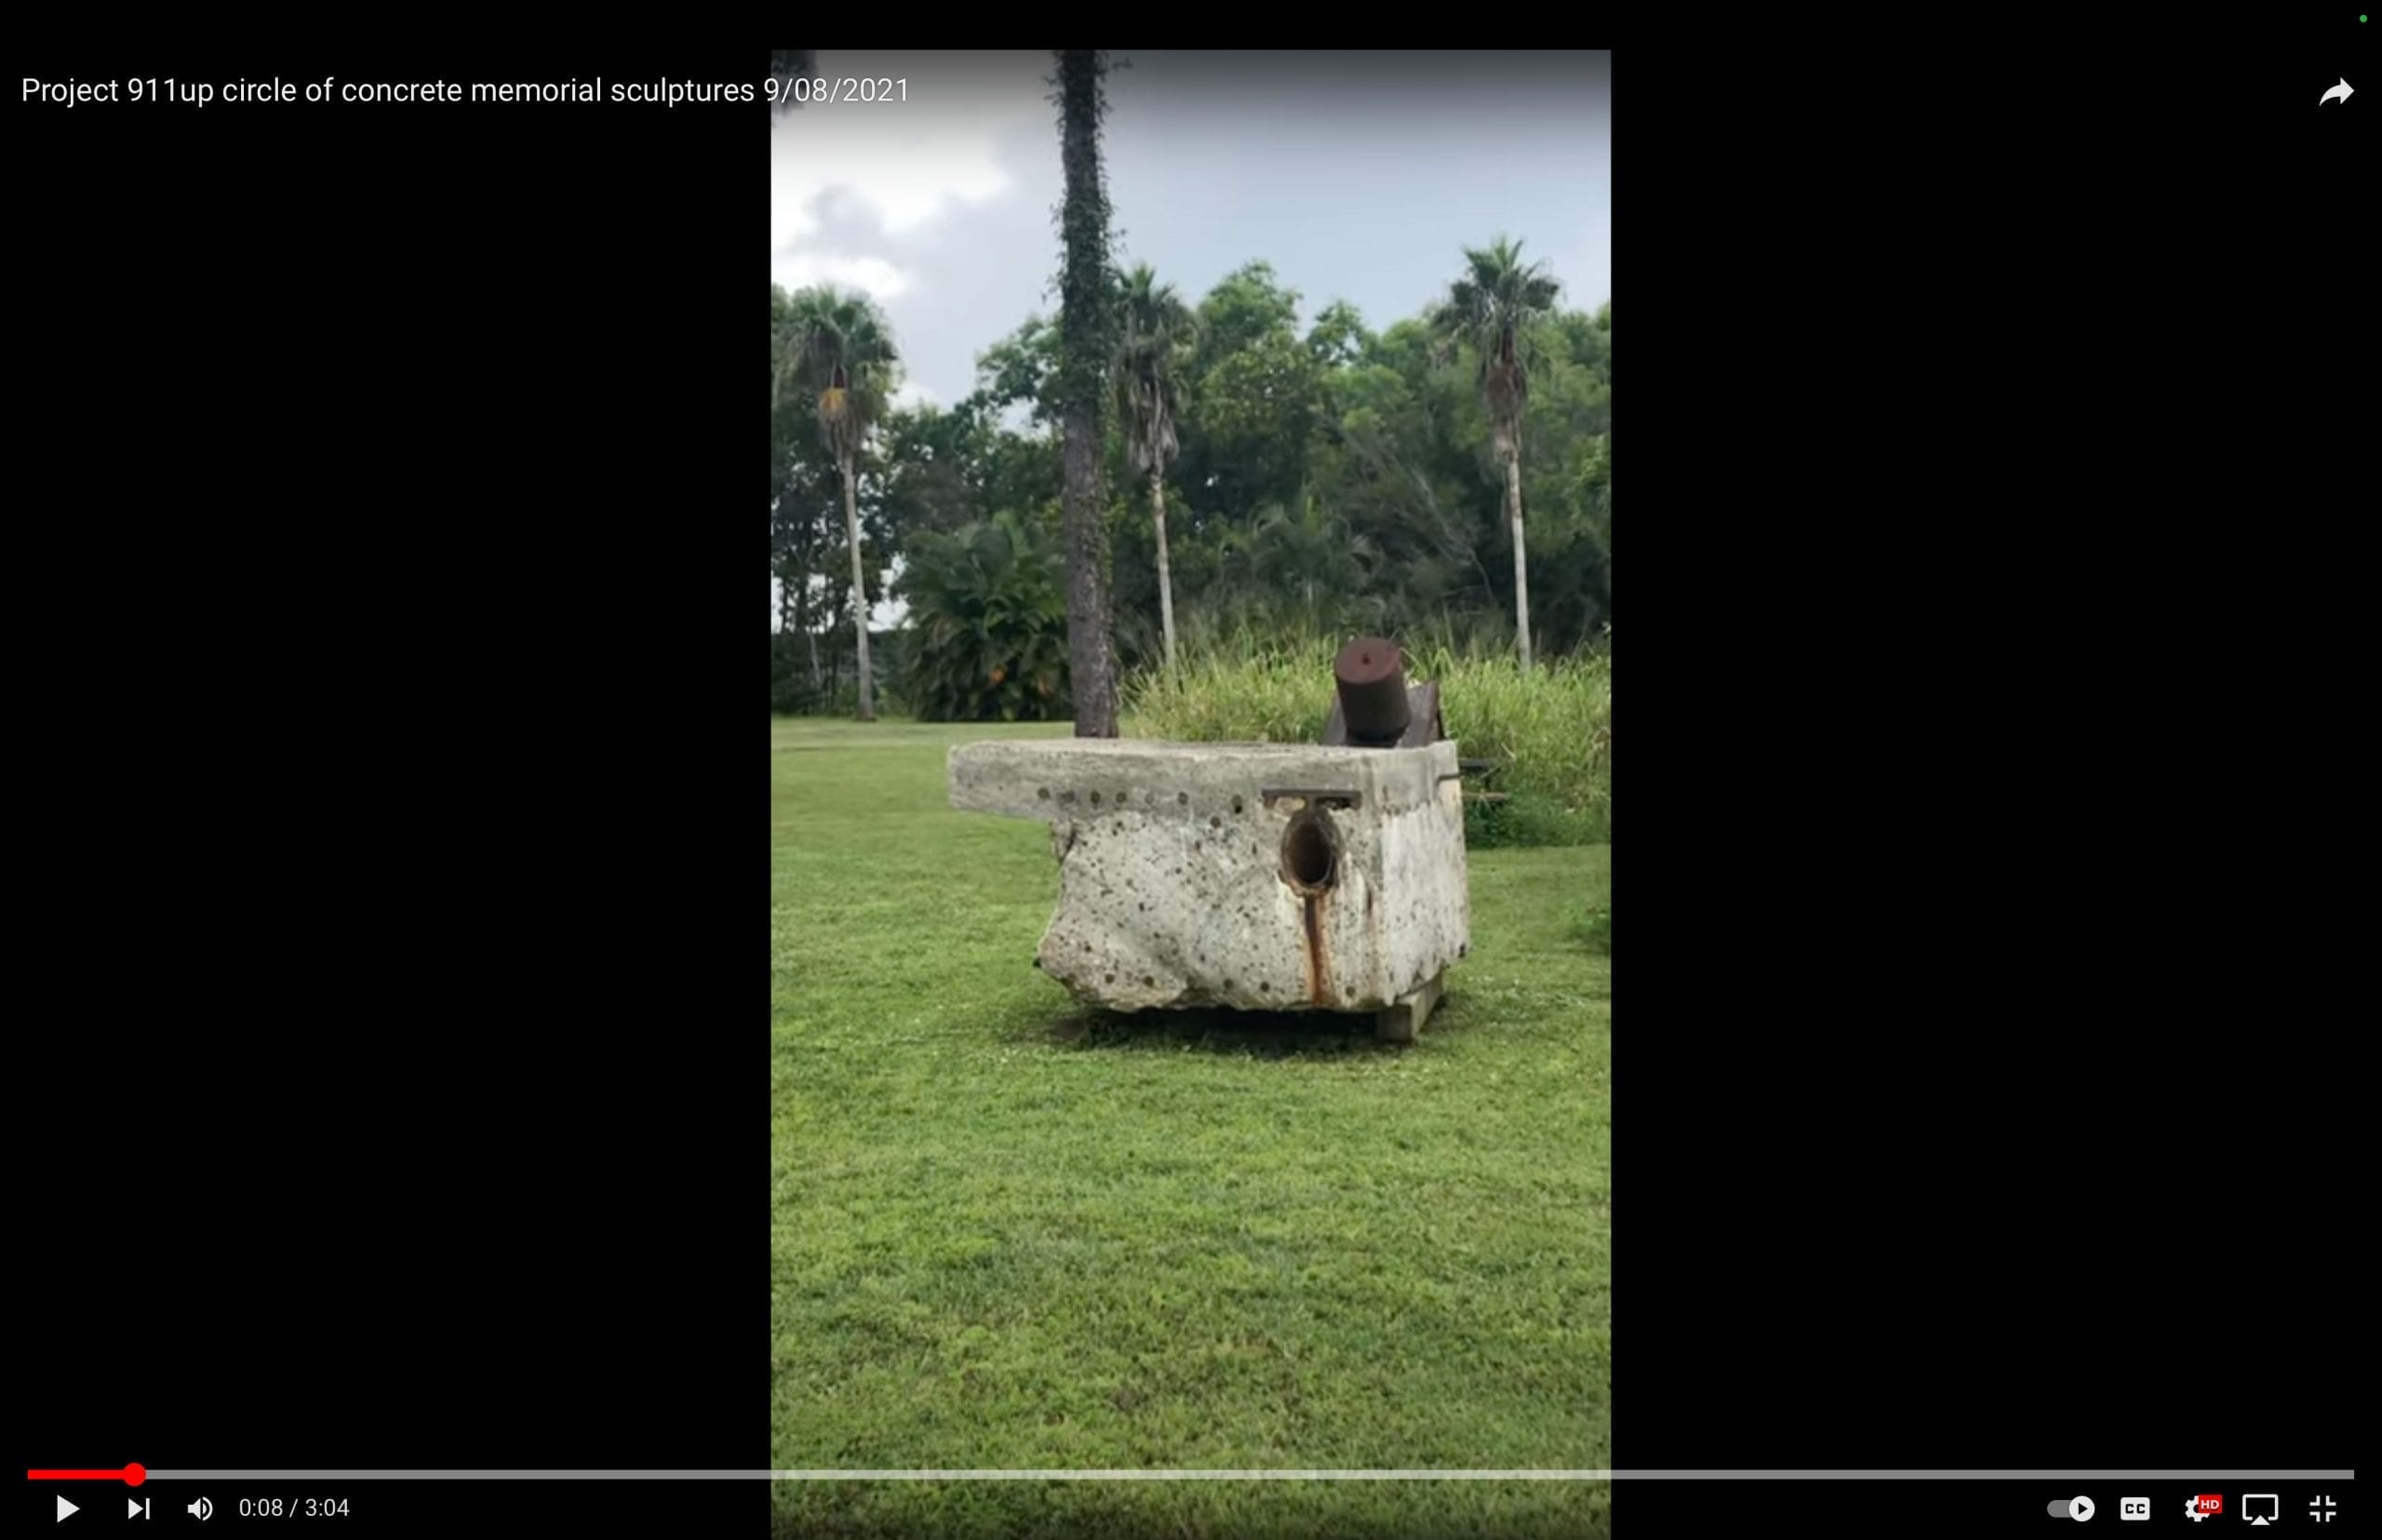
x=935 y=464
x=1337 y=339
x=837 y=349
x=1250 y=399
x=1022 y=369
x=1493 y=312
x=1568 y=485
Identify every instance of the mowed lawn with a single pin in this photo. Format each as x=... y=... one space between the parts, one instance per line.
x=1010 y=1233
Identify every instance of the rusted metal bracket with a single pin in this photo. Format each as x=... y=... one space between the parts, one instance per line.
x=1312 y=799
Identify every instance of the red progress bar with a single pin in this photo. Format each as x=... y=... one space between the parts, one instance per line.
x=132 y=1476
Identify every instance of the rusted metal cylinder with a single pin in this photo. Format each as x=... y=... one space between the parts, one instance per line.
x=1371 y=679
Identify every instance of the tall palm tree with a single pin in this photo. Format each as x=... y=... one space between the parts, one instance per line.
x=1492 y=311
x=1087 y=356
x=1155 y=325
x=838 y=347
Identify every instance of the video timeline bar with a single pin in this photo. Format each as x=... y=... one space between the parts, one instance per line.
x=683 y=1501
x=135 y=1475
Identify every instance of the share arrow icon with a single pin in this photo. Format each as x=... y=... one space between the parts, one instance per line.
x=2341 y=91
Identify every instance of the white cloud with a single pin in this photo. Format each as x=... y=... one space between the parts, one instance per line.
x=906 y=162
x=875 y=274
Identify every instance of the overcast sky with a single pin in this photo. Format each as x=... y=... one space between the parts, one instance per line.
x=1358 y=175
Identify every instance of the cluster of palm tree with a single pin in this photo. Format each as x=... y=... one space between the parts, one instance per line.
x=1121 y=340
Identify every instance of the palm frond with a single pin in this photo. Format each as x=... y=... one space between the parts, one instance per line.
x=838 y=347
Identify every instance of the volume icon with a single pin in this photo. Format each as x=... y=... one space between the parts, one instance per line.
x=204 y=1508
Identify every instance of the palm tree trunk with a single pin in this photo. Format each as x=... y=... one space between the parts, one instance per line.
x=860 y=596
x=1085 y=355
x=1091 y=662
x=1165 y=579
x=1521 y=572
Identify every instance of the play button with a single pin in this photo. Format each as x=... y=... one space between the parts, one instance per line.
x=2080 y=1509
x=64 y=1507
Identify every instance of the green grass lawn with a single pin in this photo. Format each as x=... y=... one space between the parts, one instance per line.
x=1009 y=1233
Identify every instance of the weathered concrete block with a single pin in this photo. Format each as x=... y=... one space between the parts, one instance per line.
x=1262 y=877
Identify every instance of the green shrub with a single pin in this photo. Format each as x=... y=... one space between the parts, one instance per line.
x=988 y=636
x=1533 y=817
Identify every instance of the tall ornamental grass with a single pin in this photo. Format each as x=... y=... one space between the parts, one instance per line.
x=1549 y=733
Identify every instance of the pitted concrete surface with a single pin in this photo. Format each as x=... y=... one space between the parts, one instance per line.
x=1266 y=876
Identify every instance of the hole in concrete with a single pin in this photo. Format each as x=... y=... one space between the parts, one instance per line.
x=1183 y=800
x=1066 y=797
x=1310 y=850
x=1265 y=989
x=1112 y=978
x=1044 y=793
x=1352 y=992
x=1215 y=822
x=1149 y=982
x=1236 y=804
